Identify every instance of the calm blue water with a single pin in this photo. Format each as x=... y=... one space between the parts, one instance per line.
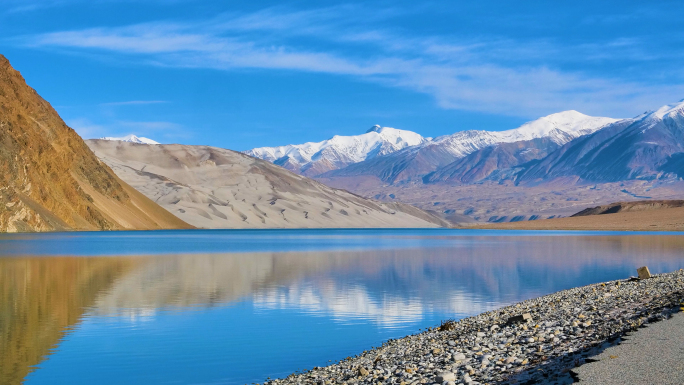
x=238 y=306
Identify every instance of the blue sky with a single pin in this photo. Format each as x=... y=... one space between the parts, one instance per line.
x=243 y=74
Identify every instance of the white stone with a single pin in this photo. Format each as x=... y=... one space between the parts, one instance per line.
x=445 y=376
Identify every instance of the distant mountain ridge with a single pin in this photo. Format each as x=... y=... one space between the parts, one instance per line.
x=555 y=173
x=393 y=155
x=315 y=158
x=415 y=162
x=649 y=146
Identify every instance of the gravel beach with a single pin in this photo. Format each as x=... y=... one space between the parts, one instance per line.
x=553 y=335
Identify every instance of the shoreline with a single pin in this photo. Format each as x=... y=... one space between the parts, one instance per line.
x=565 y=329
x=663 y=219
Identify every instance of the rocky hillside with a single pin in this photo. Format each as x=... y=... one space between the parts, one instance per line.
x=494 y=162
x=50 y=180
x=621 y=207
x=211 y=187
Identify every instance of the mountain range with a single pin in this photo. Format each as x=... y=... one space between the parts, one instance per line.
x=649 y=147
x=553 y=166
x=422 y=156
x=549 y=167
x=52 y=181
x=315 y=158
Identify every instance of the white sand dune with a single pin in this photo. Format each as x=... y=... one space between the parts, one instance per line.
x=210 y=187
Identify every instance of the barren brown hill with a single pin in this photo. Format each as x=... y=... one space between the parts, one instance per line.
x=629 y=216
x=49 y=178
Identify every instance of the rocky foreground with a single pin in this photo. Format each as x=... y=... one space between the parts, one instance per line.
x=536 y=341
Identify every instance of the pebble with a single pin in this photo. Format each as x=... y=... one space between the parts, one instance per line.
x=459 y=357
x=568 y=326
x=445 y=376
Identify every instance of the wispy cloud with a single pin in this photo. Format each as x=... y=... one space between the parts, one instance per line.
x=151 y=126
x=86 y=128
x=134 y=103
x=19 y=6
x=496 y=75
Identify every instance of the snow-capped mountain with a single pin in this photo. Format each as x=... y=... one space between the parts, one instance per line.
x=132 y=138
x=649 y=146
x=315 y=158
x=494 y=162
x=561 y=128
x=424 y=158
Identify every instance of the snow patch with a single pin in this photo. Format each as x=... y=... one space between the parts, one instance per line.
x=668 y=110
x=132 y=139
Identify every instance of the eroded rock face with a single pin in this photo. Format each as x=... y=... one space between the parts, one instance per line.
x=49 y=179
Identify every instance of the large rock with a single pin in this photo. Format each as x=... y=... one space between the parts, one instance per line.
x=526 y=317
x=643 y=272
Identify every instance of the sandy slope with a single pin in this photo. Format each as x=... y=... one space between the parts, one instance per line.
x=210 y=187
x=665 y=219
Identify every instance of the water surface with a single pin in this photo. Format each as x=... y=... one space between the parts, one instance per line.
x=238 y=306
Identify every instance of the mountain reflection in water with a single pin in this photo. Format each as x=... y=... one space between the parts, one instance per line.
x=43 y=298
x=370 y=295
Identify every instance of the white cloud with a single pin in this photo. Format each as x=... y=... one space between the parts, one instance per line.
x=346 y=303
x=497 y=76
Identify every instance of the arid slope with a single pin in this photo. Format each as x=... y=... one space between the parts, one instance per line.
x=211 y=187
x=628 y=216
x=621 y=207
x=50 y=180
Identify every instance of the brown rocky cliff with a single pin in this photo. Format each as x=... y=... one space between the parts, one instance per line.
x=49 y=178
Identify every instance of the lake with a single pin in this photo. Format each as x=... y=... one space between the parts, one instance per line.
x=238 y=306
